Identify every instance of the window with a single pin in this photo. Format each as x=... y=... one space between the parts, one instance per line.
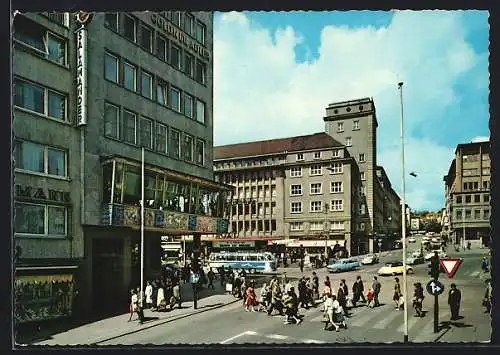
x=335 y=186
x=459 y=199
x=337 y=205
x=189 y=24
x=129 y=28
x=459 y=214
x=340 y=126
x=468 y=214
x=355 y=125
x=188 y=64
x=317 y=155
x=200 y=152
x=40 y=99
x=362 y=175
x=362 y=209
x=315 y=170
x=296 y=190
x=466 y=186
x=336 y=153
x=162 y=48
x=42 y=42
x=486 y=198
x=316 y=206
x=362 y=157
x=175 y=99
x=477 y=214
x=147 y=85
x=129 y=76
x=485 y=157
x=200 y=111
x=146 y=133
x=467 y=198
x=296 y=207
x=485 y=185
x=315 y=189
x=111 y=20
x=187 y=148
x=146 y=38
x=175 y=54
x=316 y=226
x=176 y=17
x=188 y=106
x=111 y=121
x=477 y=198
x=296 y=226
x=175 y=144
x=200 y=32
x=161 y=93
x=361 y=226
x=486 y=213
x=300 y=157
x=130 y=122
x=348 y=141
x=161 y=138
x=336 y=168
x=486 y=171
x=39 y=158
x=38 y=219
x=336 y=225
x=111 y=67
x=201 y=72
x=296 y=171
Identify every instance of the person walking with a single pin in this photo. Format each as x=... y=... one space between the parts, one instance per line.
x=487 y=297
x=338 y=317
x=176 y=293
x=376 y=286
x=149 y=294
x=303 y=293
x=133 y=304
x=418 y=299
x=211 y=277
x=222 y=275
x=342 y=299
x=327 y=281
x=358 y=290
x=315 y=280
x=275 y=299
x=251 y=298
x=454 y=298
x=328 y=312
x=397 y=292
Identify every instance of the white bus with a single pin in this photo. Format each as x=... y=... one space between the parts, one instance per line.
x=252 y=262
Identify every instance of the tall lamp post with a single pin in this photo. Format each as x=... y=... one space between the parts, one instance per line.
x=326 y=230
x=403 y=215
x=142 y=228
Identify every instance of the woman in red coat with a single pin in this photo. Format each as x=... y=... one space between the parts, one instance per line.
x=251 y=298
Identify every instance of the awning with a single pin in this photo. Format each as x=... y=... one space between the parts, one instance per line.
x=43 y=278
x=314 y=243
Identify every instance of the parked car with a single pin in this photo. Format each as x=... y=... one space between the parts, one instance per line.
x=417 y=253
x=412 y=240
x=415 y=260
x=441 y=254
x=370 y=259
x=394 y=268
x=343 y=265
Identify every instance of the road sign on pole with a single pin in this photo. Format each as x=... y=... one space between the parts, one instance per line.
x=435 y=288
x=450 y=266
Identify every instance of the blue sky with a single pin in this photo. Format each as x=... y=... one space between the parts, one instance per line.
x=275 y=72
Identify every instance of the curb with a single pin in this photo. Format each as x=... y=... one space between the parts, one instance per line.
x=163 y=322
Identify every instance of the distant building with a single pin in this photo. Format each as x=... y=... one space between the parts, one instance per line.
x=467 y=190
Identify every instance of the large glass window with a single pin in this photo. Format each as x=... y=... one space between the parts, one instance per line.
x=175 y=56
x=200 y=152
x=200 y=111
x=56 y=49
x=111 y=67
x=162 y=48
x=111 y=121
x=29 y=96
x=188 y=64
x=132 y=185
x=129 y=76
x=175 y=99
x=188 y=106
x=201 y=72
x=147 y=85
x=146 y=133
x=200 y=32
x=130 y=121
x=39 y=158
x=187 y=147
x=129 y=27
x=189 y=24
x=111 y=20
x=175 y=143
x=38 y=219
x=161 y=92
x=161 y=138
x=146 y=38
x=56 y=105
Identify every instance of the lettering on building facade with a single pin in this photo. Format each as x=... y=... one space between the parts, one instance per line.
x=178 y=35
x=81 y=76
x=28 y=192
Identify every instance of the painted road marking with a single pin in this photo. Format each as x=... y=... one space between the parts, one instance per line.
x=411 y=323
x=384 y=322
x=313 y=341
x=233 y=338
x=474 y=274
x=277 y=336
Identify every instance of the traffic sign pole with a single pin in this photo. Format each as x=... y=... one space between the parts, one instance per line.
x=435 y=288
x=436 y=313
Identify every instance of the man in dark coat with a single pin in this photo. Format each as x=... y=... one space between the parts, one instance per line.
x=315 y=281
x=358 y=290
x=454 y=297
x=342 y=298
x=376 y=286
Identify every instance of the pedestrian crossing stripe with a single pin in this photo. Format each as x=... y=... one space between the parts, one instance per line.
x=474 y=274
x=384 y=322
x=277 y=336
x=412 y=321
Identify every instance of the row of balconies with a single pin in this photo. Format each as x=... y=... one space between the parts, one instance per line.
x=252 y=216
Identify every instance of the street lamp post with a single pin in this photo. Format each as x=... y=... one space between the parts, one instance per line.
x=403 y=215
x=326 y=230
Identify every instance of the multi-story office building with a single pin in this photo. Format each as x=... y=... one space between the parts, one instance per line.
x=298 y=188
x=90 y=92
x=467 y=190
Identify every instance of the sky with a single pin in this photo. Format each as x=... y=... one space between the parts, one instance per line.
x=276 y=72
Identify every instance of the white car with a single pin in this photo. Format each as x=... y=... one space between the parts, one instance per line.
x=370 y=259
x=441 y=254
x=412 y=240
x=417 y=254
x=394 y=268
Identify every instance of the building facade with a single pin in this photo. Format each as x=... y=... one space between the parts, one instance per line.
x=298 y=189
x=91 y=91
x=467 y=189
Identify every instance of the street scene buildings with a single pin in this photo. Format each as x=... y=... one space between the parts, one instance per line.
x=131 y=224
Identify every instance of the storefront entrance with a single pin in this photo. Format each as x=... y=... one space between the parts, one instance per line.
x=107 y=276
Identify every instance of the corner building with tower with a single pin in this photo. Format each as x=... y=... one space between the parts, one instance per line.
x=317 y=190
x=89 y=92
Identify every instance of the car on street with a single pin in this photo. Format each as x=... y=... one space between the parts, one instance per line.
x=436 y=240
x=413 y=259
x=394 y=268
x=342 y=265
x=441 y=254
x=370 y=259
x=412 y=240
x=417 y=253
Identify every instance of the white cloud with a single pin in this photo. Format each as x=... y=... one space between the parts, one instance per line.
x=261 y=92
x=480 y=139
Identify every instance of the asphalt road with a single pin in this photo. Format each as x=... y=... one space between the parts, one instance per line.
x=232 y=325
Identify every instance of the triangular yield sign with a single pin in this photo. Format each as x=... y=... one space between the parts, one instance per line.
x=450 y=266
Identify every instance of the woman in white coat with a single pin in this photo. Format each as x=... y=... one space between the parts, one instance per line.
x=149 y=295
x=329 y=308
x=160 y=300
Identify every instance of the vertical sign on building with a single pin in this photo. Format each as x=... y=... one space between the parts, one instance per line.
x=83 y=18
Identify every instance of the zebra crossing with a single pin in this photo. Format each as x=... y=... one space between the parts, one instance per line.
x=387 y=317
